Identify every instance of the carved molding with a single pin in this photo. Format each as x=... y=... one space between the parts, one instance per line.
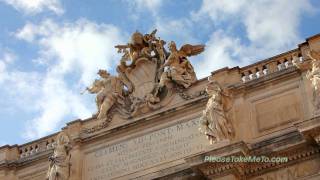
x=244 y=170
x=310 y=129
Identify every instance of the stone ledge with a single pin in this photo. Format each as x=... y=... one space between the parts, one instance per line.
x=291 y=144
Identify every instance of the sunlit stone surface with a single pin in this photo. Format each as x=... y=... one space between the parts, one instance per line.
x=155 y=120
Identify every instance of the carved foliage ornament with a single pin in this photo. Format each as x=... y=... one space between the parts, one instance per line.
x=215 y=123
x=147 y=77
x=59 y=168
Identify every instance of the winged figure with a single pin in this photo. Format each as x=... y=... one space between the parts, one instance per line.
x=179 y=68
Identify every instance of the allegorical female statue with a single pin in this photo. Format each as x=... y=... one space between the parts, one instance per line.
x=214 y=121
x=314 y=76
x=59 y=168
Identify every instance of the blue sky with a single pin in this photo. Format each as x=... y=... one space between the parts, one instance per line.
x=50 y=50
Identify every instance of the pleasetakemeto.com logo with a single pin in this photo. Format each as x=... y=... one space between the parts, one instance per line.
x=249 y=159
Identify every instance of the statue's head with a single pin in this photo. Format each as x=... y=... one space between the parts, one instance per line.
x=62 y=138
x=137 y=38
x=103 y=73
x=213 y=87
x=172 y=46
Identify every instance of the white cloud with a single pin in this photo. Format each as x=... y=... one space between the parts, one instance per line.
x=179 y=30
x=36 y=6
x=73 y=52
x=138 y=6
x=56 y=102
x=70 y=51
x=270 y=26
x=81 y=46
x=20 y=87
x=151 y=5
x=220 y=52
x=219 y=10
x=6 y=58
x=274 y=23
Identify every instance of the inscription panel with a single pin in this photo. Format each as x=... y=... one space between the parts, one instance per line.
x=152 y=149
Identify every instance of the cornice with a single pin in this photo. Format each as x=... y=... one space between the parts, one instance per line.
x=292 y=144
x=158 y=115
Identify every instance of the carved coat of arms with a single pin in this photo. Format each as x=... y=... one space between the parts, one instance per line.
x=147 y=76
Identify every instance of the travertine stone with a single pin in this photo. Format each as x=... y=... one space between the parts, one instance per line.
x=154 y=130
x=215 y=123
x=314 y=76
x=59 y=168
x=181 y=73
x=297 y=171
x=161 y=146
x=108 y=89
x=144 y=84
x=274 y=111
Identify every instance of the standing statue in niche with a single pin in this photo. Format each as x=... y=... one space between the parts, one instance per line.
x=215 y=123
x=59 y=168
x=108 y=89
x=314 y=76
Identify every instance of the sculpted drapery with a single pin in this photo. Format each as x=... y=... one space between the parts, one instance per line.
x=180 y=69
x=147 y=74
x=314 y=76
x=215 y=123
x=59 y=168
x=108 y=88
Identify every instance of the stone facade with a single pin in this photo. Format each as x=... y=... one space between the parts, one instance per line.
x=272 y=114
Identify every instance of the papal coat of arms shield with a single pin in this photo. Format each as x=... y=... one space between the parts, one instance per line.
x=143 y=77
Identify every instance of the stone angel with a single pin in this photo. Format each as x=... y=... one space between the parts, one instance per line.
x=179 y=68
x=214 y=122
x=108 y=89
x=59 y=168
